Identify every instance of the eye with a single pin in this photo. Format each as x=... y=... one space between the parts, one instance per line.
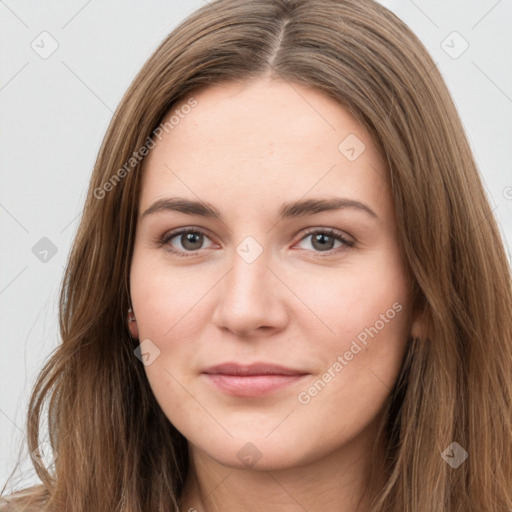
x=324 y=240
x=188 y=240
x=183 y=241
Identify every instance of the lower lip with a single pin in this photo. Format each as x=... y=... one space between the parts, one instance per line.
x=251 y=385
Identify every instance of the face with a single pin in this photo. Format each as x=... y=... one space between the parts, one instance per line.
x=307 y=304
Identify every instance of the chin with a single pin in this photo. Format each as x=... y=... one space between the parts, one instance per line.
x=259 y=454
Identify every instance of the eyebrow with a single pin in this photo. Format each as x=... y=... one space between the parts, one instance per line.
x=290 y=209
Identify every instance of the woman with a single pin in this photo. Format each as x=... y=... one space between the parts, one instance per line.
x=287 y=291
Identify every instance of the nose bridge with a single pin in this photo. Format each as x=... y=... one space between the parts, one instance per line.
x=248 y=297
x=248 y=281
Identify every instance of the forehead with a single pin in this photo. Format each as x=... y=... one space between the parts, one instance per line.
x=261 y=113
x=265 y=139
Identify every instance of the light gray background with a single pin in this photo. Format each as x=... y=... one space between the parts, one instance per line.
x=54 y=113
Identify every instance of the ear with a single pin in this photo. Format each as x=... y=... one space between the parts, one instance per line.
x=419 y=322
x=416 y=329
x=132 y=325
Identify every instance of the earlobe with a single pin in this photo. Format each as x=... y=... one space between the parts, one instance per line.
x=418 y=327
x=132 y=324
x=420 y=317
x=415 y=331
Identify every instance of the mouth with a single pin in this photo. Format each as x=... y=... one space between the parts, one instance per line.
x=254 y=380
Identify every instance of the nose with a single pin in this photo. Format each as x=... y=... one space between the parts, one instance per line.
x=250 y=298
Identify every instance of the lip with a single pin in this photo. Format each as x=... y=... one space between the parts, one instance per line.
x=253 y=380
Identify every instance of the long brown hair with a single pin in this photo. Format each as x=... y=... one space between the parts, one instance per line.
x=114 y=447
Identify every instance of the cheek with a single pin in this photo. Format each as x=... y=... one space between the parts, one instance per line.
x=349 y=301
x=166 y=303
x=360 y=368
x=365 y=312
x=164 y=298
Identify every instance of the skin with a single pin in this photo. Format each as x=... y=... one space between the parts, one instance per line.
x=246 y=149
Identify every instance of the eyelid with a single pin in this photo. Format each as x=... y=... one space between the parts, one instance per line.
x=345 y=237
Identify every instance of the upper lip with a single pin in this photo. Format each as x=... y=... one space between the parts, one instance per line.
x=252 y=369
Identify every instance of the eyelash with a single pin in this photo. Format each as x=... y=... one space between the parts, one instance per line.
x=337 y=235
